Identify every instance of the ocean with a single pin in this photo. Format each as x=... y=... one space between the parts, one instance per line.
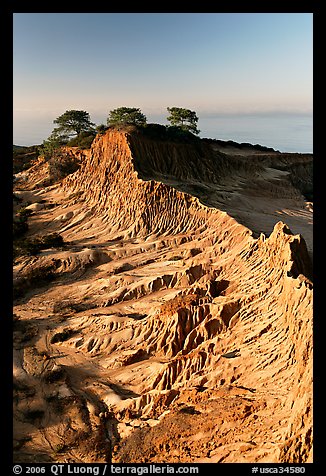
x=283 y=132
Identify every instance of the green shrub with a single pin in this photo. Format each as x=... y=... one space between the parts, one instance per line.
x=20 y=224
x=155 y=131
x=24 y=157
x=61 y=165
x=101 y=128
x=83 y=140
x=32 y=246
x=168 y=133
x=23 y=213
x=179 y=134
x=59 y=448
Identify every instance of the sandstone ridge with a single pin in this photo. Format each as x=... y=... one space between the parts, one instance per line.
x=180 y=304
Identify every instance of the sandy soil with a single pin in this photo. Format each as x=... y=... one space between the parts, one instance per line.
x=178 y=305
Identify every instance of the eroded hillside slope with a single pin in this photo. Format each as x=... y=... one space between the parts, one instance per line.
x=167 y=311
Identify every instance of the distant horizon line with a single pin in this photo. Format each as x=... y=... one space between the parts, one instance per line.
x=209 y=138
x=232 y=126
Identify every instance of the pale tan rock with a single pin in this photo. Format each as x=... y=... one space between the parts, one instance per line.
x=186 y=287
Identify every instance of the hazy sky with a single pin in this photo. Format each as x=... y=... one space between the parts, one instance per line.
x=213 y=63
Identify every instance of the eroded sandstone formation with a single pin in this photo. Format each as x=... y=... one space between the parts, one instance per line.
x=180 y=304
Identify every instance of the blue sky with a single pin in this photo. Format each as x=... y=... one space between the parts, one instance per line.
x=213 y=63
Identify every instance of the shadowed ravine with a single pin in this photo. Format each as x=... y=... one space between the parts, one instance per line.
x=180 y=304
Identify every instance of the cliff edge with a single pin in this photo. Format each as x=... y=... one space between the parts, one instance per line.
x=179 y=304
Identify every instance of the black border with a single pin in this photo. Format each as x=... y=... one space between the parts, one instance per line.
x=293 y=6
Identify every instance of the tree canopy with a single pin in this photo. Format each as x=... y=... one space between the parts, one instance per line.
x=183 y=118
x=74 y=129
x=73 y=122
x=126 y=115
x=51 y=145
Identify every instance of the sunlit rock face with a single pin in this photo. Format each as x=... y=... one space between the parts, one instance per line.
x=175 y=323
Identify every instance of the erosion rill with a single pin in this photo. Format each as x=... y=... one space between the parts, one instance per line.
x=180 y=304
